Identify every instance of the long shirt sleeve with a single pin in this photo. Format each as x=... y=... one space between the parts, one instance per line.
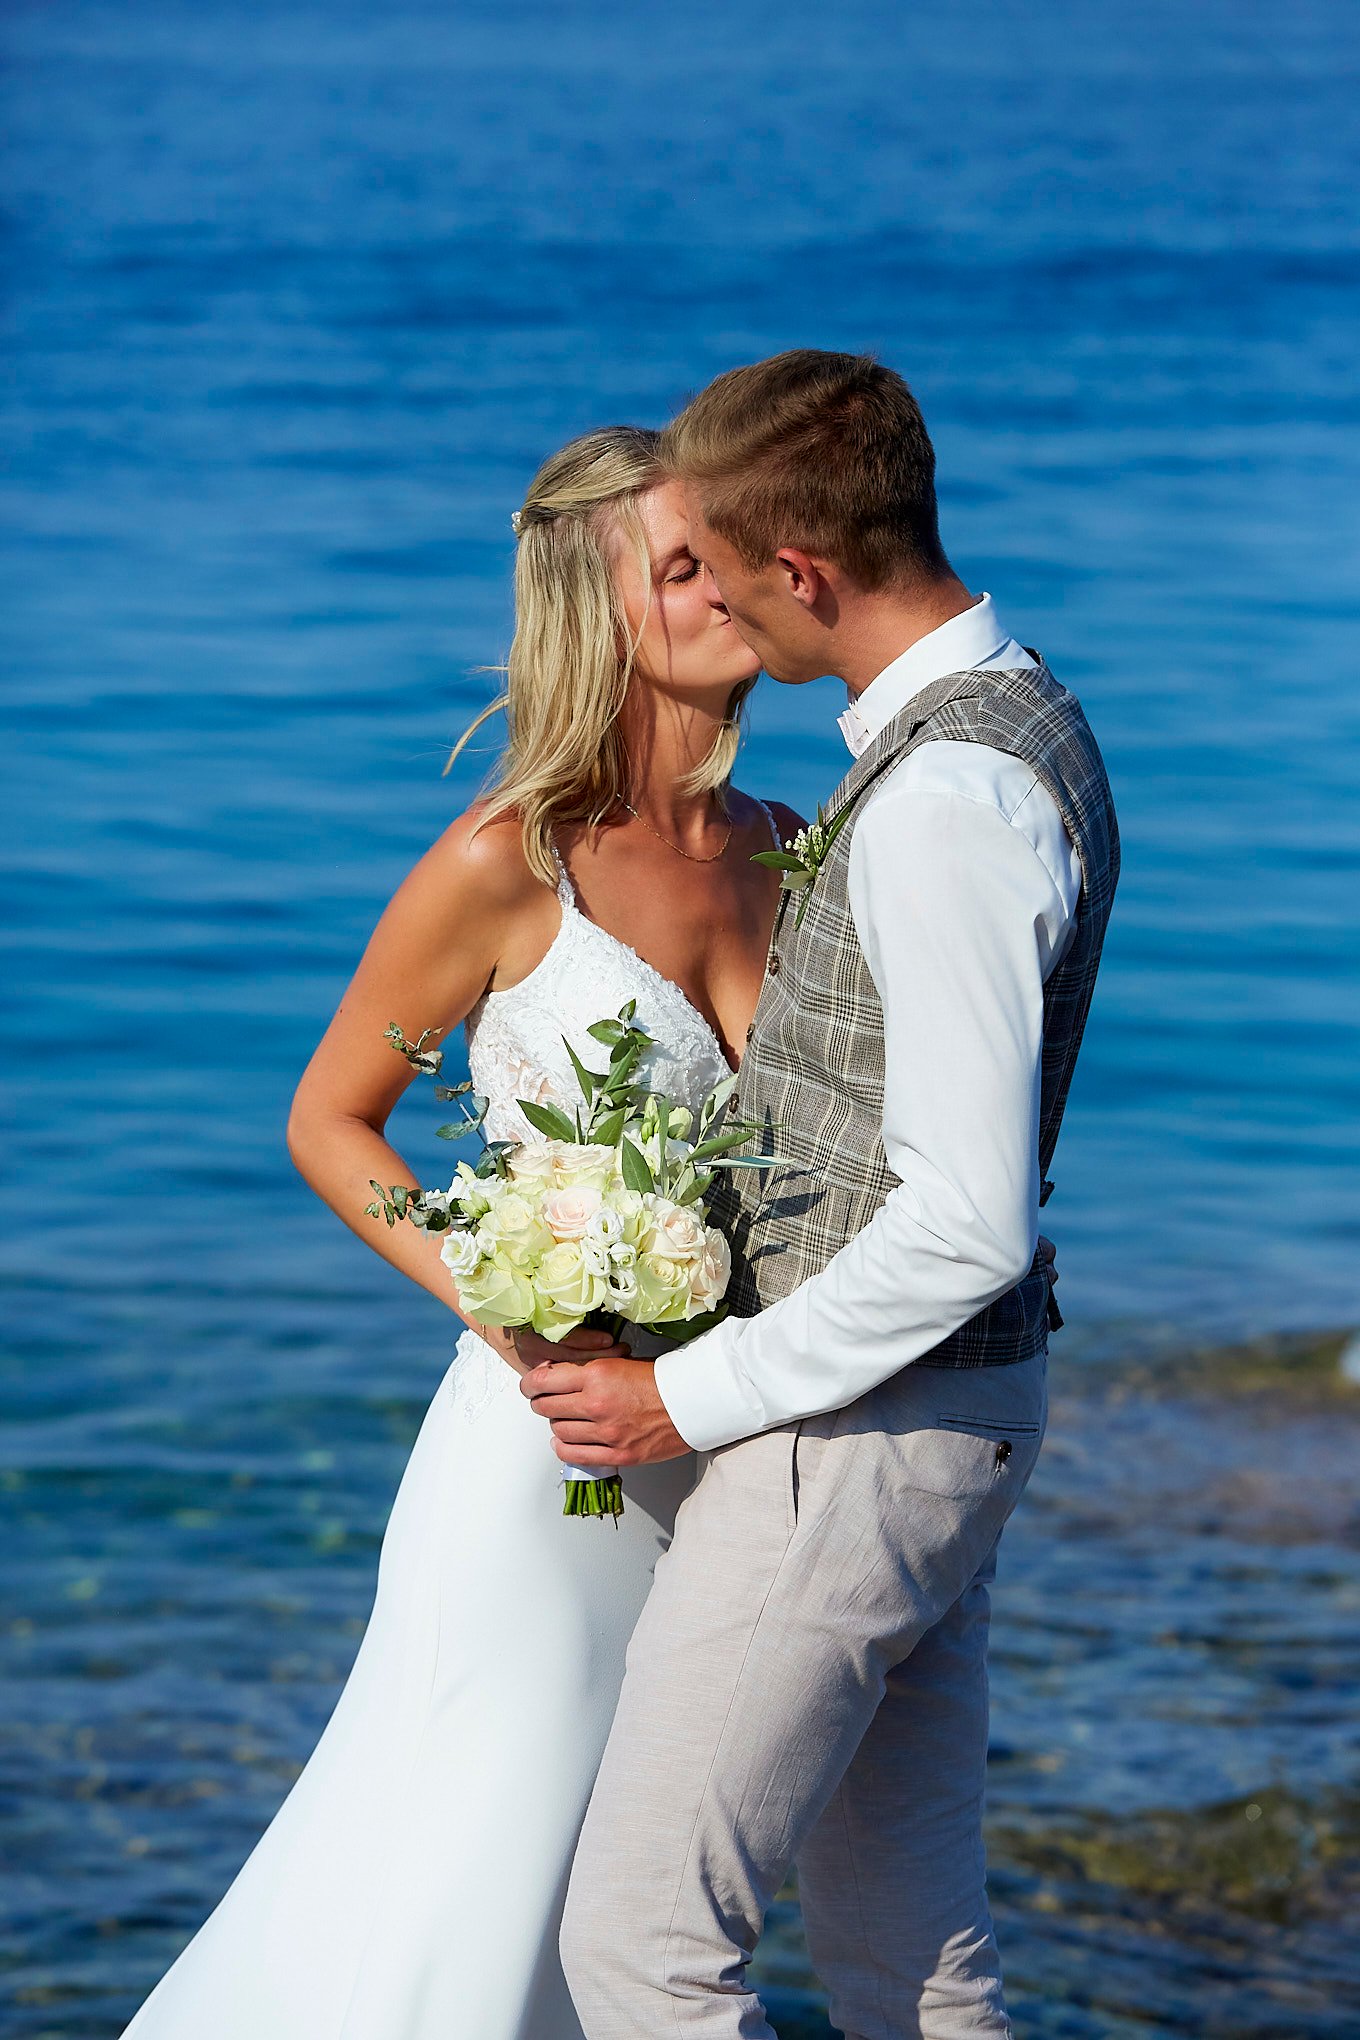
x=963 y=886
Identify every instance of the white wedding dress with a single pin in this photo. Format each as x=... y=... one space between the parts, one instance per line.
x=411 y=1884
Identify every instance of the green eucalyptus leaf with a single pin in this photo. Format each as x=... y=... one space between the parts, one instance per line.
x=779 y=860
x=491 y=1161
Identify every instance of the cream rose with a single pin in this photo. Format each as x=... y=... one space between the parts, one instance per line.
x=714 y=1271
x=513 y=1230
x=675 y=1232
x=568 y=1213
x=569 y=1286
x=498 y=1292
x=588 y=1163
x=533 y=1164
x=663 y=1289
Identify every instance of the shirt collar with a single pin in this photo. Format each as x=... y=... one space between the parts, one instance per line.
x=972 y=638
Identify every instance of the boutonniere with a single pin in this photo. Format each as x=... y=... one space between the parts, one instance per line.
x=799 y=862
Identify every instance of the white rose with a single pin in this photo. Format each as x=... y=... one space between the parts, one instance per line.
x=513 y=1229
x=663 y=1289
x=461 y=1253
x=568 y=1213
x=714 y=1271
x=587 y=1162
x=566 y=1289
x=498 y=1292
x=675 y=1232
x=533 y=1163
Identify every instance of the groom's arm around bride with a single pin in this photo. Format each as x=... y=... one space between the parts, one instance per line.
x=808 y=1679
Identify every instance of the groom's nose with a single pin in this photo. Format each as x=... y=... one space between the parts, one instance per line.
x=712 y=592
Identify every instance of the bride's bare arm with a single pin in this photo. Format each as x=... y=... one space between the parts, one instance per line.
x=470 y=914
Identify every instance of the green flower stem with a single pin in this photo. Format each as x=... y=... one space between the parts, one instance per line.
x=593 y=1497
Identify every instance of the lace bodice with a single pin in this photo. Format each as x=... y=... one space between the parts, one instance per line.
x=514 y=1037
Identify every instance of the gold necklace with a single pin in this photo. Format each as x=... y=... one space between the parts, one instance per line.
x=675 y=846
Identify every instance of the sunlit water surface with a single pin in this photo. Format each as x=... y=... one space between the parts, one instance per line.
x=297 y=300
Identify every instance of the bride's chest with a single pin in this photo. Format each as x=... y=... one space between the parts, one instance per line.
x=517 y=1038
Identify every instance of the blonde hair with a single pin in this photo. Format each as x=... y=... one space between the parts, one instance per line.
x=573 y=654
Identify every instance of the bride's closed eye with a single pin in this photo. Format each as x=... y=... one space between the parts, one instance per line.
x=683 y=572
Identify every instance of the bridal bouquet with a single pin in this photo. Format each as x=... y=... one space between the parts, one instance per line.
x=600 y=1221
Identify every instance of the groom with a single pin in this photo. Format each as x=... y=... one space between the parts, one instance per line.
x=808 y=1680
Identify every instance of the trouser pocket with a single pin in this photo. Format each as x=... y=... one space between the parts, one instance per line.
x=986 y=1427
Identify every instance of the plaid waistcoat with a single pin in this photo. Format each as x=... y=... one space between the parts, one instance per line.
x=813 y=1068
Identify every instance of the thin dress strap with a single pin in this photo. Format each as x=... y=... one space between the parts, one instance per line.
x=774 y=826
x=566 y=891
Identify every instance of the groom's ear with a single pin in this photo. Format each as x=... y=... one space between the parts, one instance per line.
x=802 y=578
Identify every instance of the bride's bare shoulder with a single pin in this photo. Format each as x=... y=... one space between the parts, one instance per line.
x=484 y=855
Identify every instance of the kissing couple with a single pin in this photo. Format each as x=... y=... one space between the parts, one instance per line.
x=571 y=1768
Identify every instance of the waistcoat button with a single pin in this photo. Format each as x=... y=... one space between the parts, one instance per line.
x=773 y=965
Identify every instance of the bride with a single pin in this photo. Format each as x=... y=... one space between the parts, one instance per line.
x=410 y=1886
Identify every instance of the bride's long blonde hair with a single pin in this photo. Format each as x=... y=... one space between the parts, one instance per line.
x=573 y=653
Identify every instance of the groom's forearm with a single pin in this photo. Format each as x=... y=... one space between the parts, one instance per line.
x=886 y=1299
x=956 y=915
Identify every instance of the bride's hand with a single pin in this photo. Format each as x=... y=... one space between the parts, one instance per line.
x=524 y=1350
x=1050 y=1257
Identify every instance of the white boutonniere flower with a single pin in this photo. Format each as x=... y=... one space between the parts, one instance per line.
x=799 y=862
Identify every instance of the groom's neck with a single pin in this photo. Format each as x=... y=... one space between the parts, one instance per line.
x=878 y=625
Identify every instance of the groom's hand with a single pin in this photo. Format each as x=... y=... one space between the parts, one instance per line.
x=607 y=1413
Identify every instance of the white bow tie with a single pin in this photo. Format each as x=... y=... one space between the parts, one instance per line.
x=857 y=738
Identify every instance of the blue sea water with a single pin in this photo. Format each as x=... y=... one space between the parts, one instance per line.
x=296 y=300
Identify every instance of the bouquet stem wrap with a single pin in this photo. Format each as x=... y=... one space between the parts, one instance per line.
x=594 y=1490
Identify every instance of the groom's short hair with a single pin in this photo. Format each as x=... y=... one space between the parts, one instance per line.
x=826 y=452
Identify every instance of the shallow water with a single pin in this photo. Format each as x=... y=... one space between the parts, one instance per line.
x=295 y=304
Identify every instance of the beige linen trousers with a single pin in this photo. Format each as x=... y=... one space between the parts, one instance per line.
x=808 y=1684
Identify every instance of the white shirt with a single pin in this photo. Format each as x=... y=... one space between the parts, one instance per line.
x=963 y=887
